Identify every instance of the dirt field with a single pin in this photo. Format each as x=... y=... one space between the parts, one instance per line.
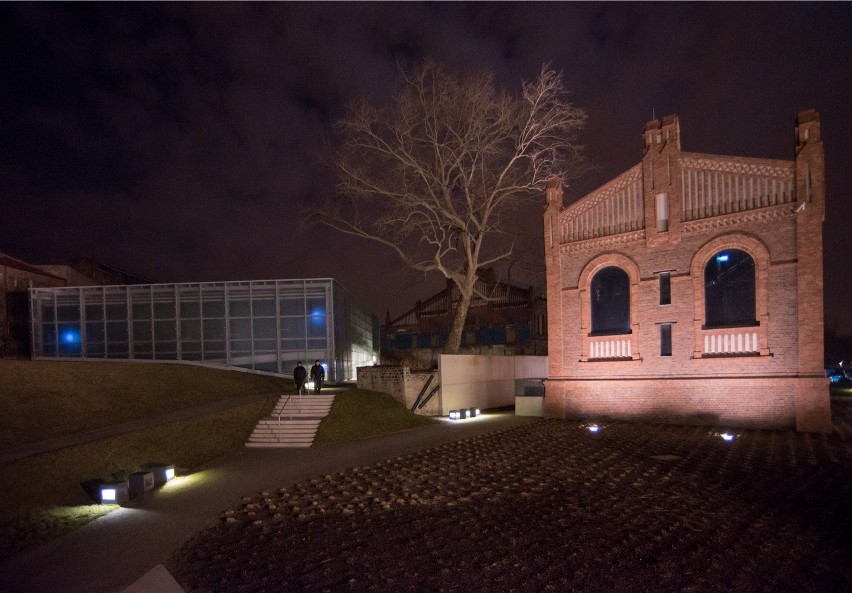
x=553 y=507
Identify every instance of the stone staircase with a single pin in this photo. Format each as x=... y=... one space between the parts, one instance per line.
x=293 y=422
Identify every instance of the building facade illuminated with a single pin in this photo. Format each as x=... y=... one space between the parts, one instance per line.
x=690 y=289
x=263 y=325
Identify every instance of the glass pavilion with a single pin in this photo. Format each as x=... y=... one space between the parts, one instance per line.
x=265 y=325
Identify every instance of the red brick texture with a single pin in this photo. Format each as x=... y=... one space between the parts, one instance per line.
x=764 y=375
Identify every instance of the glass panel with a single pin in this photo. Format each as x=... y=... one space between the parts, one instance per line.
x=116 y=311
x=142 y=331
x=190 y=310
x=292 y=327
x=48 y=313
x=214 y=329
x=610 y=299
x=240 y=329
x=214 y=308
x=264 y=308
x=316 y=327
x=239 y=308
x=190 y=330
x=729 y=289
x=116 y=332
x=665 y=339
x=117 y=350
x=265 y=328
x=141 y=310
x=292 y=305
x=68 y=313
x=317 y=344
x=665 y=288
x=164 y=310
x=95 y=332
x=165 y=330
x=69 y=340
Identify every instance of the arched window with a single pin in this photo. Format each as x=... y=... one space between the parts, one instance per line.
x=729 y=295
x=610 y=296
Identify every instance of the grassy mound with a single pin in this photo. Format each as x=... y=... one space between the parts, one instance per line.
x=359 y=414
x=46 y=399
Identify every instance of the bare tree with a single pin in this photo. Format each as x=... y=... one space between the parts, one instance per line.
x=434 y=174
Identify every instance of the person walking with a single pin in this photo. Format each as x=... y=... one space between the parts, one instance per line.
x=300 y=373
x=318 y=375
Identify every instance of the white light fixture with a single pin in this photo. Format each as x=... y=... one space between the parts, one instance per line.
x=113 y=492
x=727 y=437
x=162 y=473
x=454 y=415
x=593 y=428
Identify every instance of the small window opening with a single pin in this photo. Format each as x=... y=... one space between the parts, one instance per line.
x=665 y=288
x=665 y=339
x=662 y=213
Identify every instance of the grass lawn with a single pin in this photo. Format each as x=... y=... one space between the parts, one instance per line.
x=45 y=399
x=42 y=496
x=359 y=414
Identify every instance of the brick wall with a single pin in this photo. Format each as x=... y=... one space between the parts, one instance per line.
x=403 y=384
x=767 y=375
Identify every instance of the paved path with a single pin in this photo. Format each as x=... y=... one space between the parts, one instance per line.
x=113 y=552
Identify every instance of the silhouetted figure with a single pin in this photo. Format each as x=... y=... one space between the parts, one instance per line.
x=300 y=373
x=318 y=375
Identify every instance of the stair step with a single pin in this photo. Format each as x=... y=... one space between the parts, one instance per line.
x=293 y=423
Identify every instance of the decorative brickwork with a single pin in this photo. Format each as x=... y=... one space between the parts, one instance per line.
x=766 y=372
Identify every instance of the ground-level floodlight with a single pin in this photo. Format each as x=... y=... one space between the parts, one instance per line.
x=141 y=482
x=162 y=473
x=464 y=413
x=727 y=436
x=113 y=492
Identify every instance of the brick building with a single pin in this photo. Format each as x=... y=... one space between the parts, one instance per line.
x=690 y=289
x=512 y=320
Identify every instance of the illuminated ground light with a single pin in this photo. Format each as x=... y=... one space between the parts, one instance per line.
x=592 y=426
x=114 y=492
x=464 y=413
x=727 y=436
x=162 y=473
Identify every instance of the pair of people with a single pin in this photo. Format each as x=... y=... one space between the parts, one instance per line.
x=317 y=375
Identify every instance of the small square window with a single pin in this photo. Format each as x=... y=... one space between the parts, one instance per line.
x=665 y=288
x=665 y=339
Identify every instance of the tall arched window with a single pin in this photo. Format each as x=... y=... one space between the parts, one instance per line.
x=610 y=296
x=729 y=295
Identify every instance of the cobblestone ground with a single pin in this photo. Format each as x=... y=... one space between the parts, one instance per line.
x=551 y=506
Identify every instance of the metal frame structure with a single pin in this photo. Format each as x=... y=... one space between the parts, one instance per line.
x=264 y=325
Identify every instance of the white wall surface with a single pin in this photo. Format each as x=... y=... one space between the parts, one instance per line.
x=473 y=381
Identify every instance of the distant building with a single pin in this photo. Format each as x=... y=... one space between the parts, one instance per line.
x=512 y=320
x=690 y=289
x=264 y=325
x=18 y=276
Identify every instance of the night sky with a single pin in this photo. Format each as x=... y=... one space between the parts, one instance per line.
x=181 y=141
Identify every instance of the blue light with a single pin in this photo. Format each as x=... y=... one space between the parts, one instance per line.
x=721 y=258
x=318 y=315
x=71 y=336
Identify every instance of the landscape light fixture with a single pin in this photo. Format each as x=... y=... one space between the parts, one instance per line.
x=141 y=482
x=727 y=437
x=113 y=492
x=162 y=473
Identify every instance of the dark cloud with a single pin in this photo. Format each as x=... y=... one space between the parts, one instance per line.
x=180 y=141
